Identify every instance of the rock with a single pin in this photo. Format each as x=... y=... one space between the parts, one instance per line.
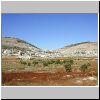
x=92 y=78
x=84 y=79
x=89 y=78
x=79 y=81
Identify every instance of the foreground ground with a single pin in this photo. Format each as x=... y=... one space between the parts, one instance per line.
x=48 y=73
x=49 y=79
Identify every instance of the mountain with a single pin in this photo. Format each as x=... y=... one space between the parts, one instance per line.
x=17 y=47
x=16 y=43
x=83 y=49
x=21 y=49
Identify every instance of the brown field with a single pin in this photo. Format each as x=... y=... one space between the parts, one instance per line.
x=47 y=79
x=16 y=74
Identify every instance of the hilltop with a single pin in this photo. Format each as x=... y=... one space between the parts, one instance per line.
x=83 y=49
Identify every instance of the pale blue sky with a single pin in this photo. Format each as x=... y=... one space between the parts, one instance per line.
x=51 y=31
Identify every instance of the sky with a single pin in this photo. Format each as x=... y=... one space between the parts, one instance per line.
x=51 y=31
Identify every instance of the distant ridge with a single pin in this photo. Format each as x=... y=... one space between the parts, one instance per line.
x=83 y=49
x=21 y=41
x=78 y=44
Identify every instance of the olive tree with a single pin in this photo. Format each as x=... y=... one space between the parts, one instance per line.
x=85 y=67
x=68 y=65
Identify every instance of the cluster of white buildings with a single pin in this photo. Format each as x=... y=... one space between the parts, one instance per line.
x=28 y=54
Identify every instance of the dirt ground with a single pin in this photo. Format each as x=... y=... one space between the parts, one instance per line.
x=49 y=79
x=16 y=74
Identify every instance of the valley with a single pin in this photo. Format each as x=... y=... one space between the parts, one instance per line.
x=27 y=65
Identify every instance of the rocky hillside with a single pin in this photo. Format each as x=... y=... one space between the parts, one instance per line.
x=24 y=50
x=83 y=49
x=19 y=48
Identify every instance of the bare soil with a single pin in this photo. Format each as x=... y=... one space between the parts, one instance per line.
x=47 y=79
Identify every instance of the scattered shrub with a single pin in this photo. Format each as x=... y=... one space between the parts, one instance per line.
x=71 y=62
x=57 y=62
x=68 y=65
x=85 y=67
x=45 y=64
x=23 y=62
x=29 y=64
x=35 y=62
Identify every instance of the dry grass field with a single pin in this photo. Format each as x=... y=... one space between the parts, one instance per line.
x=49 y=72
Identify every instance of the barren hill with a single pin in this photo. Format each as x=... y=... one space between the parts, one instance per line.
x=18 y=47
x=83 y=49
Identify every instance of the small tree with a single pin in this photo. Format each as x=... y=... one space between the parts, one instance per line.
x=52 y=61
x=57 y=61
x=85 y=67
x=68 y=65
x=29 y=64
x=23 y=62
x=45 y=64
x=35 y=62
x=71 y=62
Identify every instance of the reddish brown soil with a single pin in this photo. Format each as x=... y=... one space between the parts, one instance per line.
x=43 y=79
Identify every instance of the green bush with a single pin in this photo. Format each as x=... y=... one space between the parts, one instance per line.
x=68 y=65
x=57 y=62
x=29 y=64
x=35 y=62
x=45 y=64
x=85 y=67
x=71 y=62
x=52 y=61
x=23 y=62
x=68 y=61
